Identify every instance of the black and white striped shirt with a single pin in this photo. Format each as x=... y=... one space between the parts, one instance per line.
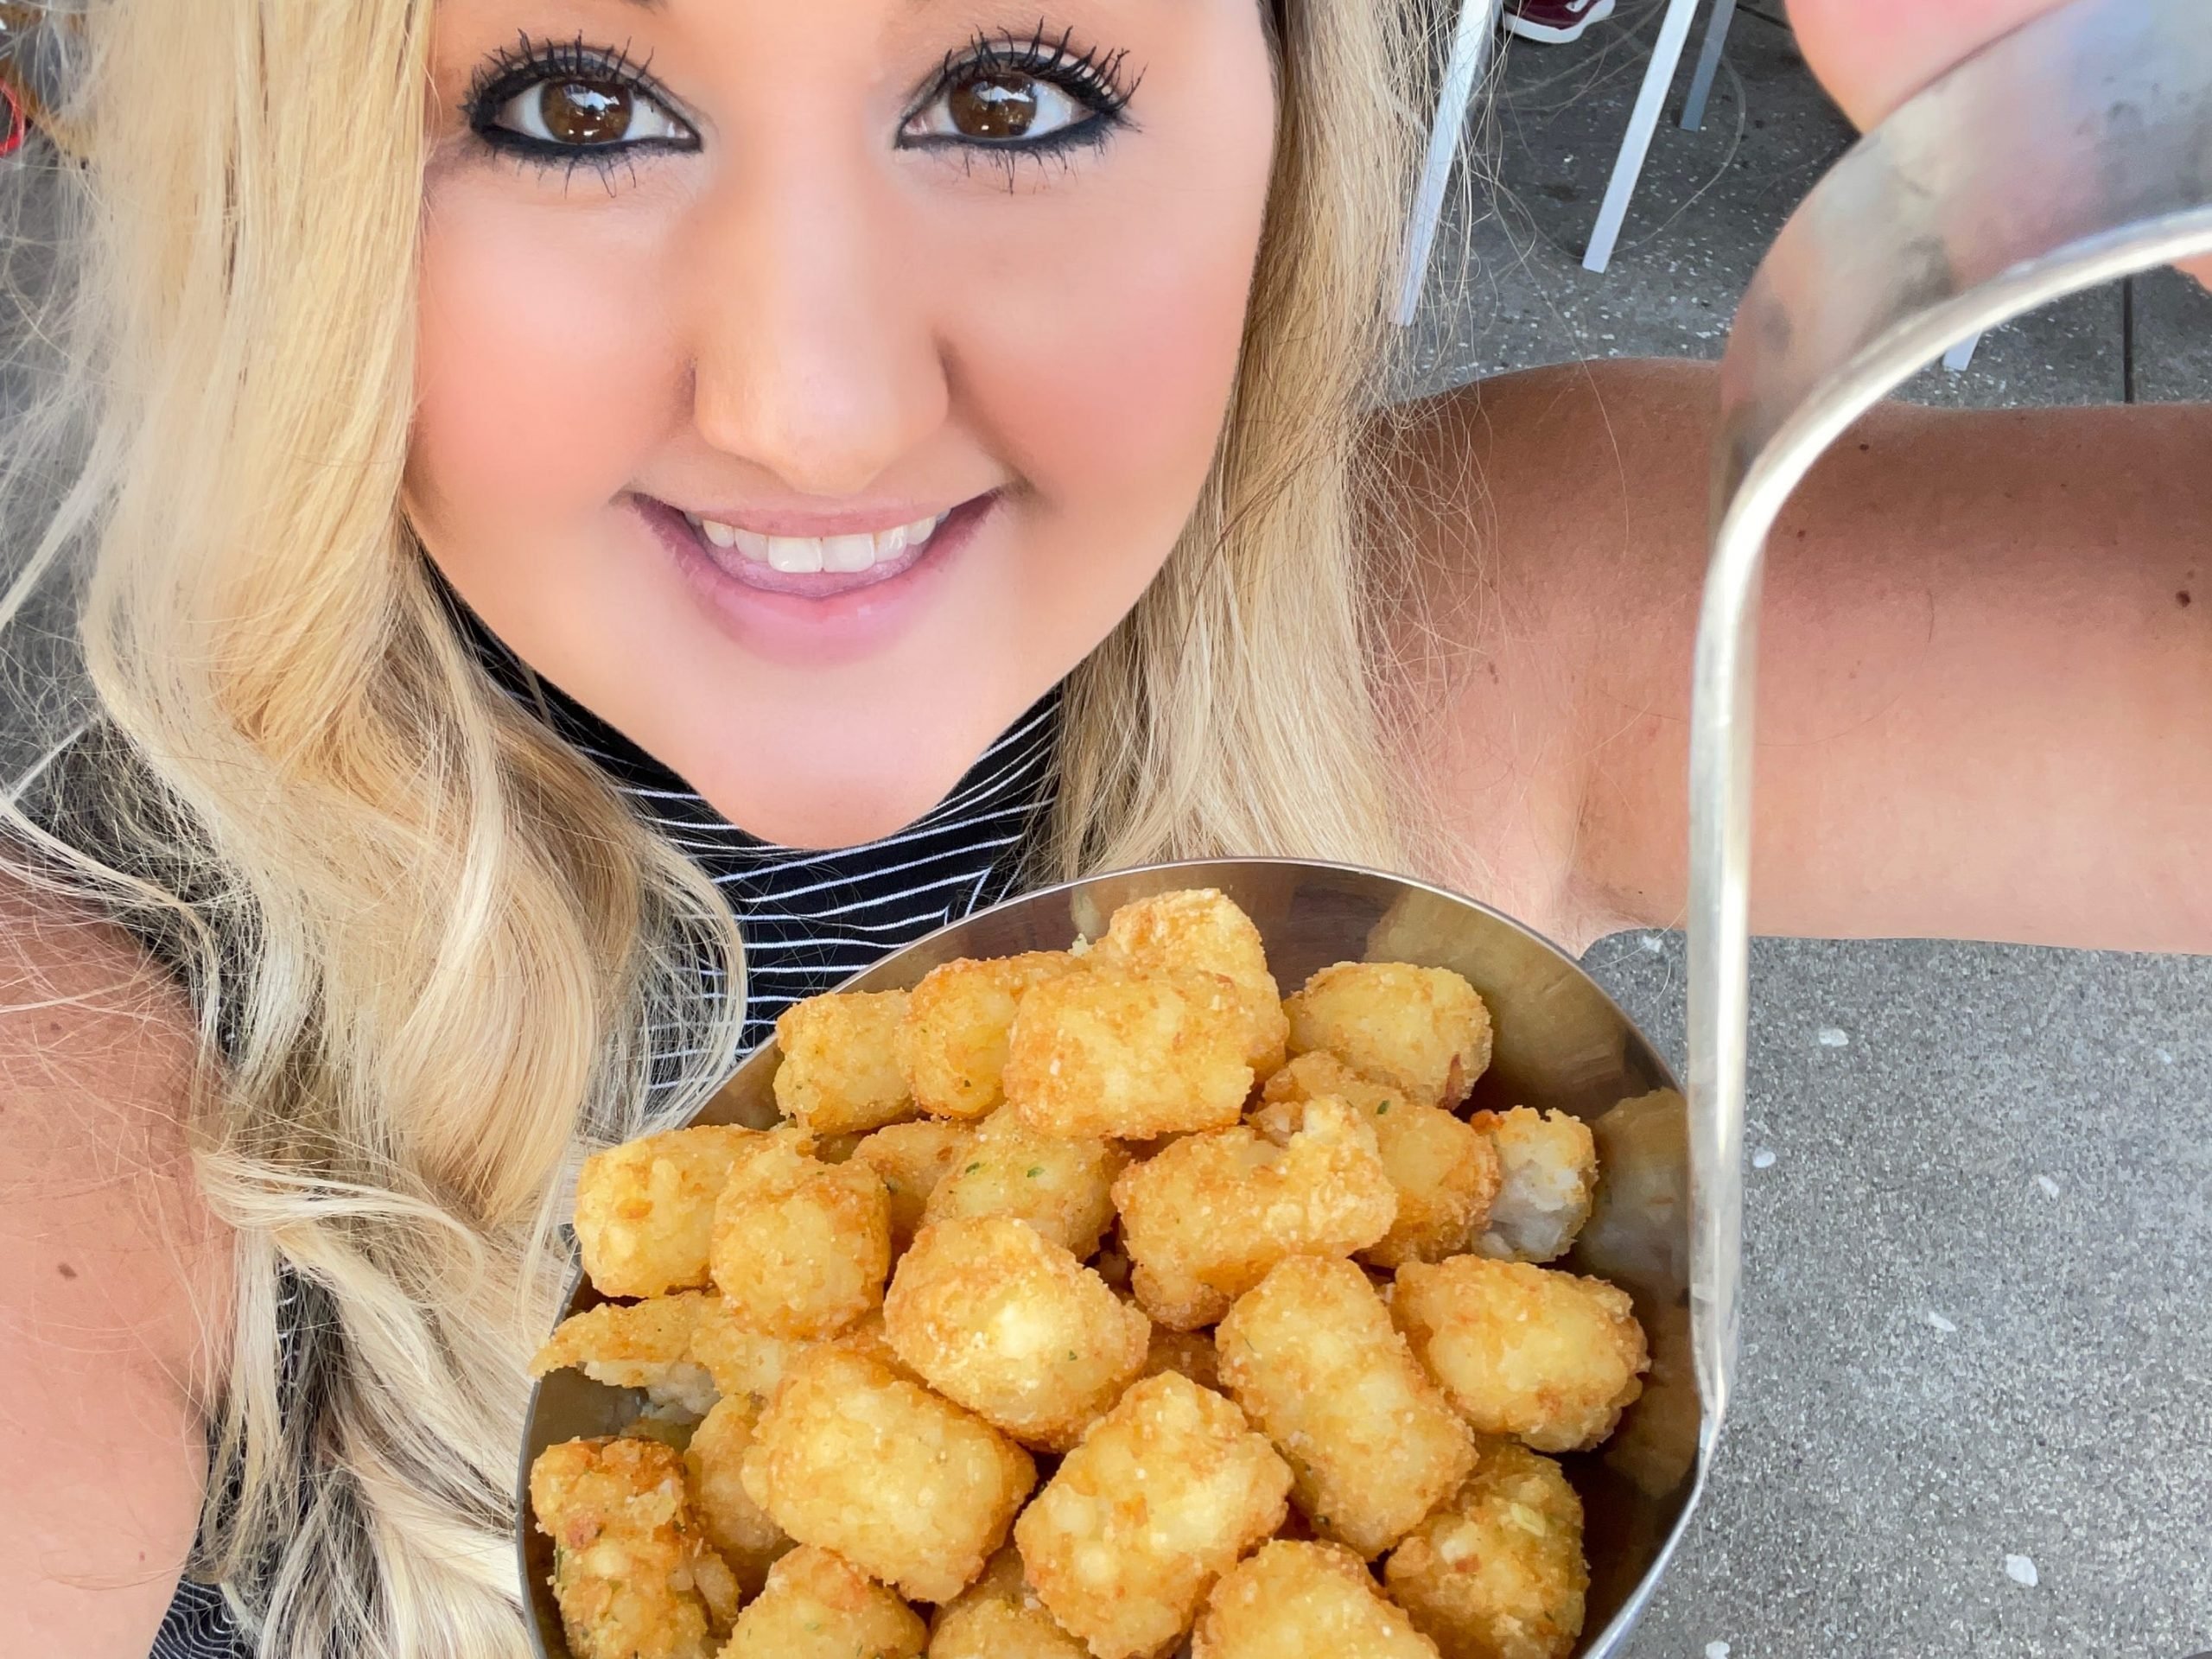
x=811 y=919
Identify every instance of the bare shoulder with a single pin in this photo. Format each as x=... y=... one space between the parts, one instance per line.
x=1544 y=510
x=114 y=1282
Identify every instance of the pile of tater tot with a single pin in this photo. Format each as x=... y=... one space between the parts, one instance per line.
x=1100 y=1302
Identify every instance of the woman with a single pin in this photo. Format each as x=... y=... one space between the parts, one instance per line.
x=533 y=437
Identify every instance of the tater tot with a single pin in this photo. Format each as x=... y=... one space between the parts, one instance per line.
x=953 y=1044
x=1064 y=1189
x=645 y=1209
x=840 y=1068
x=1304 y=1601
x=909 y=1488
x=1550 y=1357
x=911 y=1159
x=1447 y=1174
x=1207 y=1217
x=1547 y=1163
x=1423 y=1030
x=631 y=1569
x=1000 y=1616
x=1499 y=1571
x=741 y=1531
x=1159 y=1499
x=1311 y=1356
x=645 y=1346
x=1012 y=1326
x=800 y=1247
x=816 y=1606
x=744 y=1363
x=1201 y=929
x=1125 y=1056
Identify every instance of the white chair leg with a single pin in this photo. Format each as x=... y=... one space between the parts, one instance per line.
x=1471 y=53
x=1708 y=63
x=1627 y=167
x=1962 y=354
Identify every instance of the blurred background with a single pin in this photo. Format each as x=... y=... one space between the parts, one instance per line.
x=1975 y=1410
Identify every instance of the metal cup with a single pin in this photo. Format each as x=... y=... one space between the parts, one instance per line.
x=1560 y=1043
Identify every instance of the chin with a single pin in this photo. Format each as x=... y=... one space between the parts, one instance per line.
x=825 y=803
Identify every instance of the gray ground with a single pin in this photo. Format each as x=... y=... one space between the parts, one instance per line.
x=1976 y=1301
x=1976 y=1324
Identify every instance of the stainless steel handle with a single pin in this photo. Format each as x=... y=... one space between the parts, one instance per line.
x=2073 y=151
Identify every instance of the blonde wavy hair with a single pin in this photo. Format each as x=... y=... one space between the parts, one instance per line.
x=433 y=956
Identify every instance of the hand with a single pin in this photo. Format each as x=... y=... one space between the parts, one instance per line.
x=1873 y=54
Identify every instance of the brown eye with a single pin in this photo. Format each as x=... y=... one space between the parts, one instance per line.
x=577 y=112
x=987 y=104
x=580 y=112
x=994 y=107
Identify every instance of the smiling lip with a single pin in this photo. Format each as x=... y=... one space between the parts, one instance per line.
x=808 y=617
x=816 y=555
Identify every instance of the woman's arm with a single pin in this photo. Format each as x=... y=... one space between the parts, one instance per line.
x=113 y=1285
x=1985 y=681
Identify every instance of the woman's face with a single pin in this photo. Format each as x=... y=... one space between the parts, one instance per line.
x=806 y=388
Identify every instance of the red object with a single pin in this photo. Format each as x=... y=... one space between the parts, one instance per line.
x=16 y=127
x=1554 y=22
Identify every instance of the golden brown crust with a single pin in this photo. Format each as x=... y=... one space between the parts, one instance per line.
x=1311 y=1356
x=1207 y=1216
x=840 y=1072
x=645 y=1209
x=816 y=1606
x=800 y=1247
x=1292 y=1600
x=1124 y=1056
x=629 y=1560
x=1499 y=1571
x=909 y=1488
x=1550 y=1357
x=1424 y=1030
x=953 y=1044
x=1162 y=1496
x=1013 y=1327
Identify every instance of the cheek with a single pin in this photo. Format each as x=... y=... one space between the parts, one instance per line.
x=537 y=392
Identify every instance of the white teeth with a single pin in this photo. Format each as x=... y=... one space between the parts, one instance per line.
x=805 y=554
x=795 y=556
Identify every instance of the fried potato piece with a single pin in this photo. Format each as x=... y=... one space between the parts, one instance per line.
x=911 y=1159
x=872 y=1340
x=637 y=1345
x=1548 y=1167
x=1446 y=1174
x=645 y=1209
x=953 y=1044
x=840 y=1069
x=1373 y=1445
x=816 y=1606
x=1498 y=1573
x=909 y=1488
x=745 y=1364
x=1200 y=928
x=741 y=1531
x=1304 y=1601
x=1064 y=1189
x=1187 y=1353
x=1015 y=1328
x=1206 y=1218
x=1162 y=1496
x=800 y=1247
x=1550 y=1357
x=631 y=1569
x=1000 y=1616
x=1124 y=1056
x=1423 y=1030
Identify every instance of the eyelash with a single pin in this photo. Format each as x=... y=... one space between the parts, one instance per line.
x=529 y=63
x=1098 y=79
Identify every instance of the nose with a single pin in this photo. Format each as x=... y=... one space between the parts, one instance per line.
x=815 y=357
